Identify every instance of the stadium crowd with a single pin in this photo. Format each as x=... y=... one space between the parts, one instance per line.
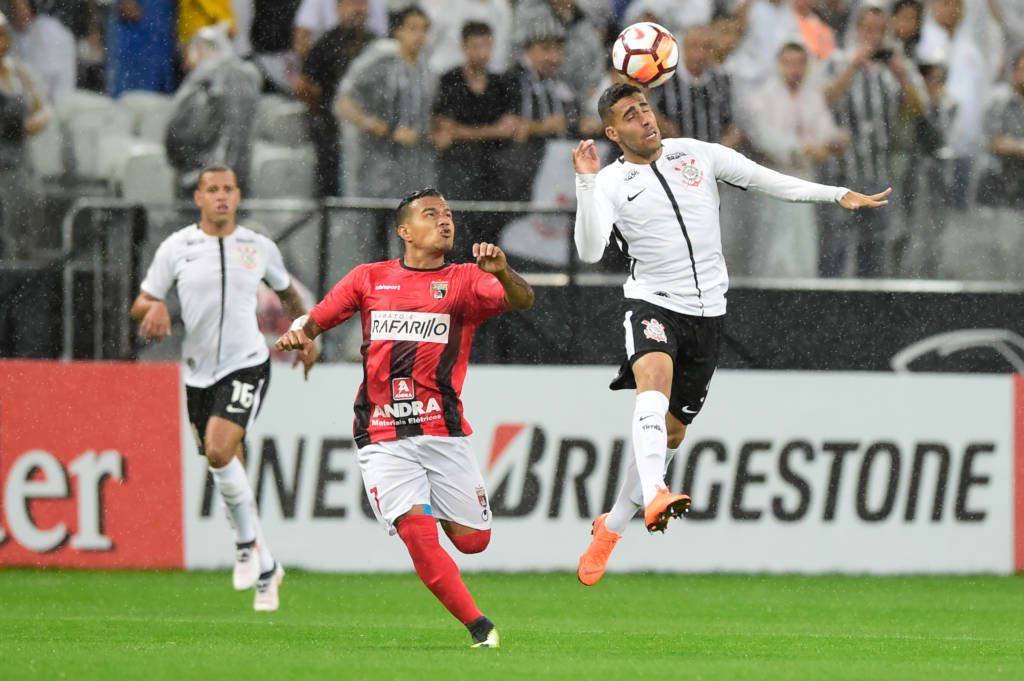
x=484 y=97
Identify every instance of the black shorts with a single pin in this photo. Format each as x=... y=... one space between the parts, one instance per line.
x=237 y=397
x=692 y=342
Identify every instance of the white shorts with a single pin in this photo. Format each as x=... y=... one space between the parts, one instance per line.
x=438 y=472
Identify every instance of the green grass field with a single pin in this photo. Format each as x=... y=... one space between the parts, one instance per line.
x=177 y=625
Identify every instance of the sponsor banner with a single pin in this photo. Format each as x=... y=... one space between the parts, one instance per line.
x=90 y=465
x=789 y=472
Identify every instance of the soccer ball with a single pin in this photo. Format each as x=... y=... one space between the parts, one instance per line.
x=645 y=53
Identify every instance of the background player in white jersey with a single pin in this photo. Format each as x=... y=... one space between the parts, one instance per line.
x=419 y=314
x=216 y=266
x=659 y=203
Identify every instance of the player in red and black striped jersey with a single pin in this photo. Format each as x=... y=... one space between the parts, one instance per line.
x=418 y=316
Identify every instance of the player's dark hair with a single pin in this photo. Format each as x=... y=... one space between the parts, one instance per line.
x=472 y=29
x=397 y=19
x=403 y=205
x=900 y=4
x=794 y=46
x=213 y=168
x=613 y=94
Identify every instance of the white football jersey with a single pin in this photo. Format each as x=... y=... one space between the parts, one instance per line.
x=217 y=280
x=664 y=217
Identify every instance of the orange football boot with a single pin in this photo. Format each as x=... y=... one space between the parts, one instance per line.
x=595 y=559
x=663 y=507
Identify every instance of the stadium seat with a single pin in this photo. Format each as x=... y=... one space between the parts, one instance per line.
x=281 y=171
x=146 y=177
x=47 y=151
x=148 y=113
x=282 y=121
x=112 y=148
x=86 y=129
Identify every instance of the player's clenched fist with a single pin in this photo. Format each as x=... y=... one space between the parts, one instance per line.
x=292 y=340
x=489 y=257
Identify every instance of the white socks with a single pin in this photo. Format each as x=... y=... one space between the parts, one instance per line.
x=650 y=441
x=236 y=492
x=629 y=499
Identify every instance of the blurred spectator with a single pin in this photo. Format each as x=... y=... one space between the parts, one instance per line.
x=836 y=13
x=23 y=113
x=819 y=38
x=795 y=133
x=214 y=111
x=770 y=24
x=271 y=42
x=866 y=86
x=697 y=101
x=322 y=71
x=1002 y=189
x=84 y=19
x=727 y=31
x=547 y=106
x=46 y=46
x=582 y=49
x=927 y=192
x=675 y=15
x=244 y=12
x=475 y=120
x=905 y=26
x=1009 y=14
x=944 y=38
x=140 y=46
x=386 y=95
x=316 y=17
x=447 y=17
x=196 y=14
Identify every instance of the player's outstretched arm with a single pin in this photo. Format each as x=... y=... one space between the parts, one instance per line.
x=152 y=312
x=309 y=352
x=585 y=159
x=490 y=258
x=854 y=201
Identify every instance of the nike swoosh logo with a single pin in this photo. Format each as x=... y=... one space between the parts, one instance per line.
x=647 y=417
x=235 y=410
x=630 y=198
x=687 y=410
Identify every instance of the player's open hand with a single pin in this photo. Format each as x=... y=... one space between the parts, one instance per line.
x=585 y=159
x=489 y=257
x=156 y=325
x=855 y=201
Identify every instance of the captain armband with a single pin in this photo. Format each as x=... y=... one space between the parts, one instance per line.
x=299 y=322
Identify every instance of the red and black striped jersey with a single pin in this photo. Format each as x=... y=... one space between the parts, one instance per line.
x=418 y=327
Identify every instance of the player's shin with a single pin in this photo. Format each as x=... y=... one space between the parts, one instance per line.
x=236 y=492
x=436 y=568
x=240 y=502
x=650 y=440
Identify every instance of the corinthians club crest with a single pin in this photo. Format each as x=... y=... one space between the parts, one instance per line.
x=691 y=174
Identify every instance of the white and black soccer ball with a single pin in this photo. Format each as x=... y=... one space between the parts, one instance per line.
x=645 y=53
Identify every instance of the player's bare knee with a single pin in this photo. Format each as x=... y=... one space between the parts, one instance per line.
x=474 y=542
x=218 y=455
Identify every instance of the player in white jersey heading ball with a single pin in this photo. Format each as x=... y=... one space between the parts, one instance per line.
x=216 y=266
x=659 y=204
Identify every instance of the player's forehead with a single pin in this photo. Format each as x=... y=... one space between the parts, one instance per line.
x=429 y=204
x=635 y=101
x=218 y=178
